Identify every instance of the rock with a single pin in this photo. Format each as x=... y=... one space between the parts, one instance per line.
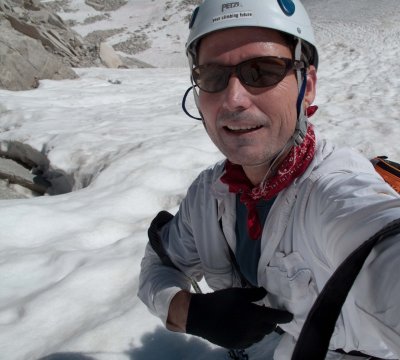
x=24 y=61
x=106 y=5
x=136 y=43
x=132 y=62
x=109 y=57
x=15 y=173
x=32 y=5
x=36 y=44
x=10 y=191
x=33 y=172
x=120 y=62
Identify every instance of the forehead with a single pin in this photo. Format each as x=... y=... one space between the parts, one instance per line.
x=249 y=42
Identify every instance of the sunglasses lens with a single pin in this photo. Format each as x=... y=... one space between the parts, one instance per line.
x=263 y=72
x=211 y=78
x=259 y=72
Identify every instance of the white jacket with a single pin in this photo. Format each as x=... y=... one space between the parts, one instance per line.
x=337 y=204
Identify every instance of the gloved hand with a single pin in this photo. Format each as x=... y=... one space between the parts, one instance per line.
x=229 y=318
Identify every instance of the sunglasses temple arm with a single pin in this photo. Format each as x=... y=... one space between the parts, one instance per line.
x=184 y=103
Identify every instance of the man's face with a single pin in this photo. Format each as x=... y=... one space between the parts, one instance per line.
x=249 y=125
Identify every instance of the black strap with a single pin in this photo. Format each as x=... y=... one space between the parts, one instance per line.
x=318 y=328
x=243 y=281
x=162 y=218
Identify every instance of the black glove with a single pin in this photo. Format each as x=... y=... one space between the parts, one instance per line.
x=228 y=317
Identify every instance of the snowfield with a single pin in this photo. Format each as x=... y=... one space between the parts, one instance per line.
x=118 y=149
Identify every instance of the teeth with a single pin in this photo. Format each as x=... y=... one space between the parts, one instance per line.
x=241 y=128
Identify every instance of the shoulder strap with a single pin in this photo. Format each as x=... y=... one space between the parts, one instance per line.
x=317 y=331
x=162 y=218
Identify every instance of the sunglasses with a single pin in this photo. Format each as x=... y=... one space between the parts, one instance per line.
x=258 y=72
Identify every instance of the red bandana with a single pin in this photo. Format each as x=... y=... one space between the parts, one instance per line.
x=294 y=165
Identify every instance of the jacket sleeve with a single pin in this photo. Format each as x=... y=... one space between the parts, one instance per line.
x=377 y=292
x=158 y=283
x=351 y=208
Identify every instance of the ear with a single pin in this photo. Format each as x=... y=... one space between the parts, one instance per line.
x=310 y=93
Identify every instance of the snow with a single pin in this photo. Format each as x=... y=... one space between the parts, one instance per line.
x=163 y=22
x=120 y=152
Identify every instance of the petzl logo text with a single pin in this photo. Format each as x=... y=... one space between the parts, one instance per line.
x=230 y=5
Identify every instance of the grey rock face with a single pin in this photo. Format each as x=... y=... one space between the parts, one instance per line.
x=36 y=44
x=105 y=5
x=24 y=61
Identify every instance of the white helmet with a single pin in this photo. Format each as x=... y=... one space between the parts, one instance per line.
x=288 y=16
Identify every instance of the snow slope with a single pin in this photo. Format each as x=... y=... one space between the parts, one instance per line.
x=162 y=23
x=118 y=142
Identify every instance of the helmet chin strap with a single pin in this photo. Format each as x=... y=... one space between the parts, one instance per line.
x=301 y=123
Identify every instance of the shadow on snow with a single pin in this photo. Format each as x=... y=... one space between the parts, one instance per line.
x=159 y=344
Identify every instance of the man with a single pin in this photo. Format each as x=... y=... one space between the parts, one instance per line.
x=268 y=227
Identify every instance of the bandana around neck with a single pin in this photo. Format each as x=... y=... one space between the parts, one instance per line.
x=293 y=165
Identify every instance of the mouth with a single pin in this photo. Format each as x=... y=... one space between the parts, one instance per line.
x=241 y=129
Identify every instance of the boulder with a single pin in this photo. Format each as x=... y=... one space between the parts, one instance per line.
x=35 y=44
x=24 y=61
x=109 y=57
x=15 y=173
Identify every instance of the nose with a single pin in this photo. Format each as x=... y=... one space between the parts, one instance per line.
x=236 y=96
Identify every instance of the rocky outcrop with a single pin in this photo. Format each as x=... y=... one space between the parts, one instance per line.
x=24 y=61
x=25 y=167
x=35 y=44
x=11 y=172
x=106 y=5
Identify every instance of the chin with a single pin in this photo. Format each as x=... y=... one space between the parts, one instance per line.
x=249 y=161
